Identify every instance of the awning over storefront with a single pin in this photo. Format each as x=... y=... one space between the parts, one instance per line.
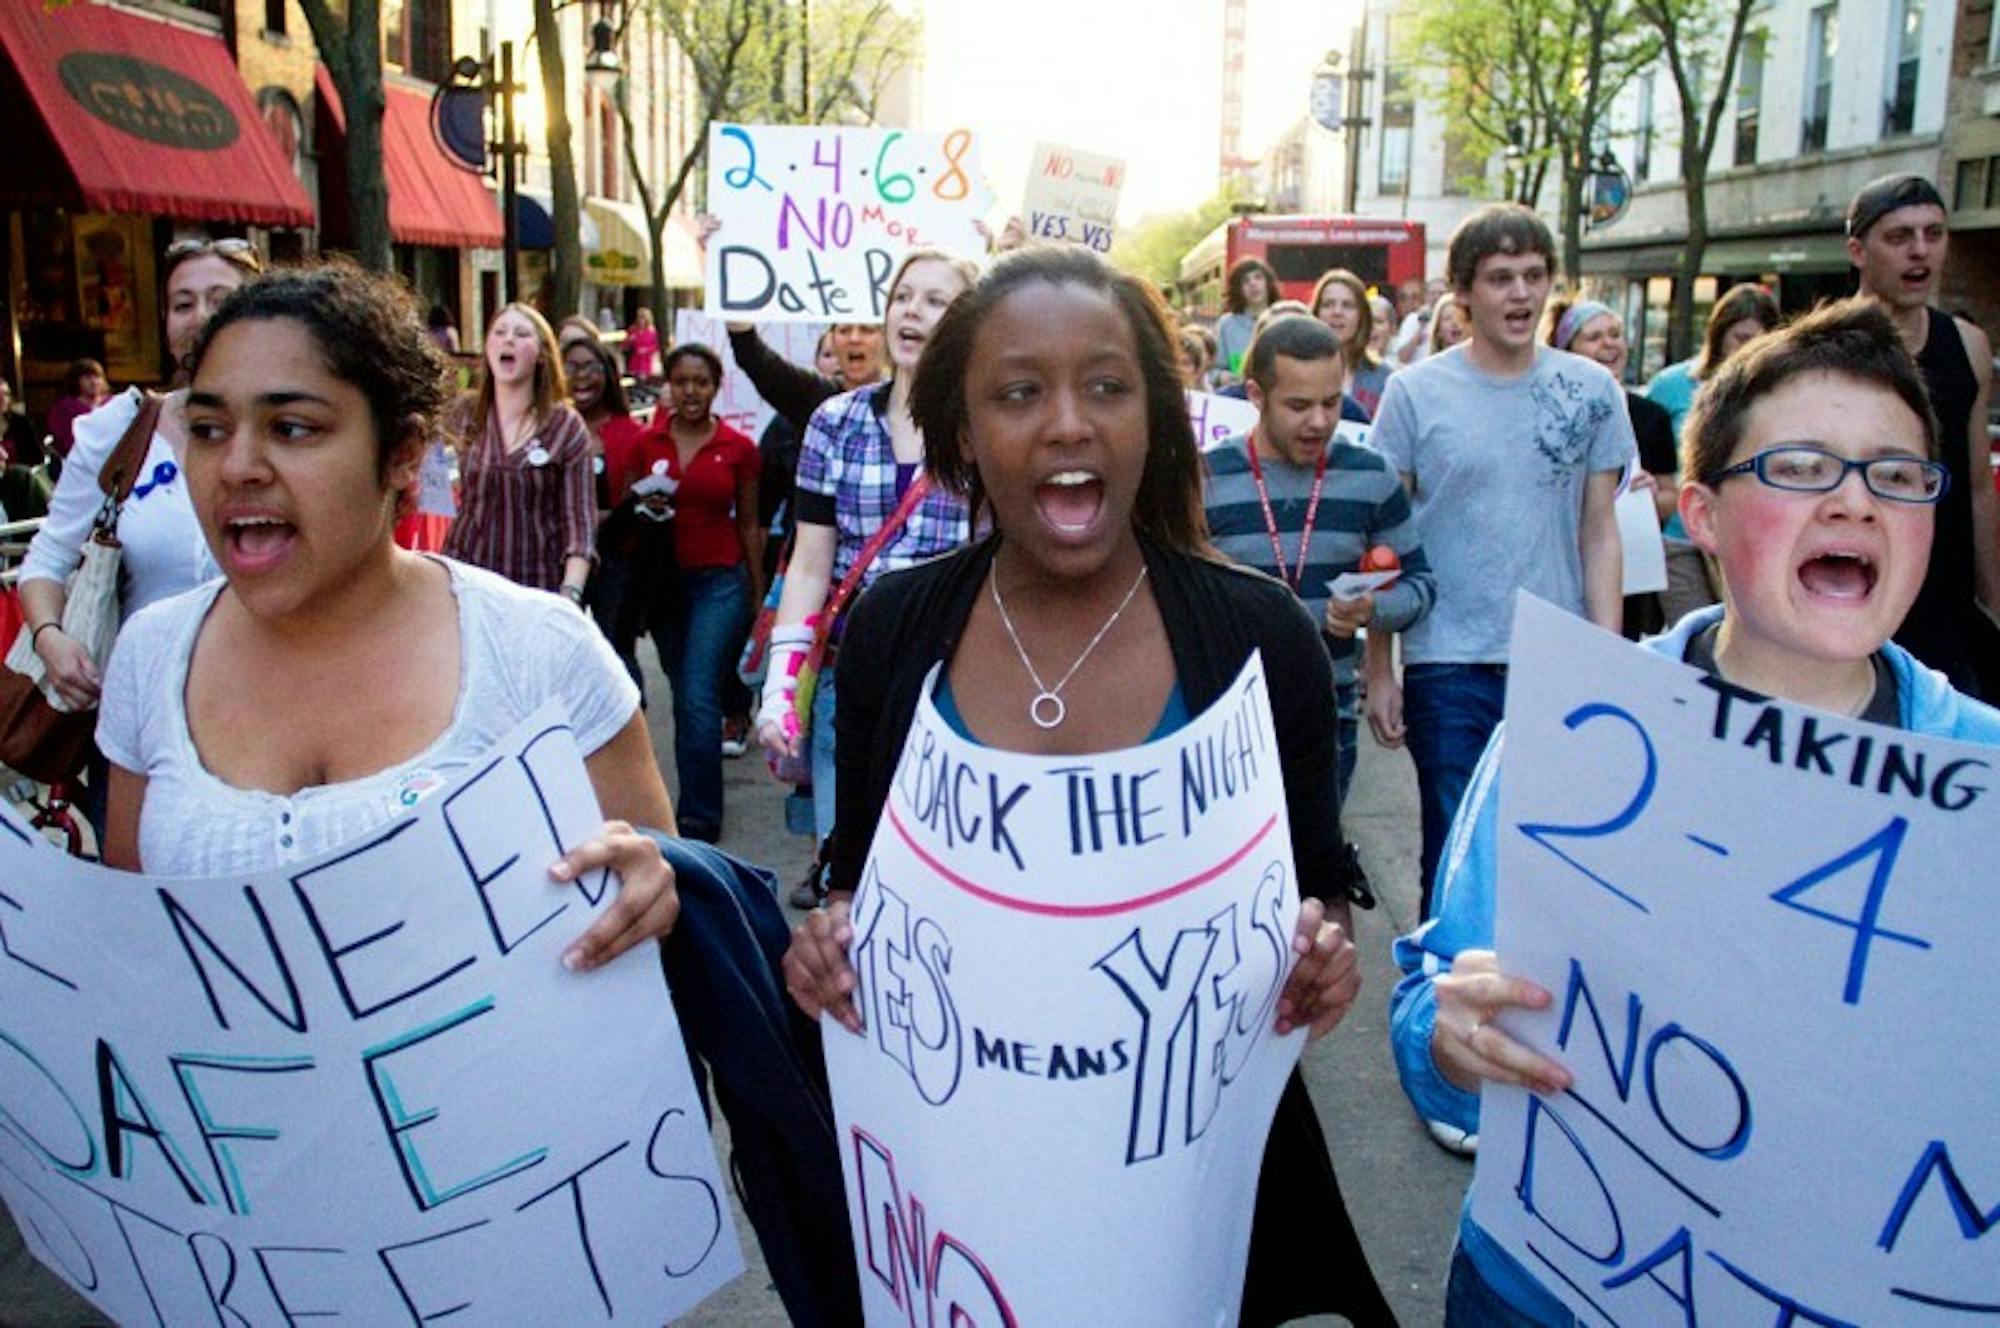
x=534 y=222
x=1822 y=252
x=431 y=200
x=1630 y=261
x=138 y=116
x=622 y=256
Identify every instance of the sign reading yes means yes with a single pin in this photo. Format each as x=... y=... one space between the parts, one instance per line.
x=1073 y=195
x=1769 y=933
x=1068 y=970
x=815 y=219
x=361 y=1086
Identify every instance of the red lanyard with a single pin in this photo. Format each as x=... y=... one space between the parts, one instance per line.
x=1290 y=578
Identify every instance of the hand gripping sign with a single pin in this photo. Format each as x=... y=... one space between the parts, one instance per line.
x=1068 y=971
x=362 y=1086
x=1769 y=933
x=814 y=219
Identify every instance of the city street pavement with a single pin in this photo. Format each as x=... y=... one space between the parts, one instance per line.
x=1402 y=1190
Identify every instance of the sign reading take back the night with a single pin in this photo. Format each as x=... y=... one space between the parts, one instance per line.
x=362 y=1087
x=1068 y=970
x=1770 y=936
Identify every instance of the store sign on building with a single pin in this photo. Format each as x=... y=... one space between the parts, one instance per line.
x=148 y=101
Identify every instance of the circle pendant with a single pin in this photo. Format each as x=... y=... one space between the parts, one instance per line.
x=1047 y=710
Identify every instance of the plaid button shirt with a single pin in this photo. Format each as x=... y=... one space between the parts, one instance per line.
x=847 y=456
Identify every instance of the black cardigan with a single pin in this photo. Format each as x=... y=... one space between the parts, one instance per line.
x=1215 y=615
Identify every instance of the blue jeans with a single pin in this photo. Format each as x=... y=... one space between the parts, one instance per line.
x=1450 y=711
x=696 y=647
x=1470 y=1302
x=1350 y=735
x=822 y=756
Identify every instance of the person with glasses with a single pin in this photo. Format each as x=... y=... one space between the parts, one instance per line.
x=164 y=552
x=1811 y=475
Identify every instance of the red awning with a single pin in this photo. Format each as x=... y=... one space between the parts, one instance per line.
x=431 y=200
x=142 y=116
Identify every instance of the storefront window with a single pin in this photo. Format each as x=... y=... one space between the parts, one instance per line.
x=84 y=287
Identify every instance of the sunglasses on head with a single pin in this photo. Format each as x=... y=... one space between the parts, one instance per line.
x=240 y=252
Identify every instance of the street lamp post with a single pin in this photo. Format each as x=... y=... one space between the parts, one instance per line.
x=458 y=122
x=1339 y=105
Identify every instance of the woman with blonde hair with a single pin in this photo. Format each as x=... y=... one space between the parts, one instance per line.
x=1341 y=302
x=527 y=506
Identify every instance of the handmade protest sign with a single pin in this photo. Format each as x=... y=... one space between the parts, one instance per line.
x=436 y=495
x=814 y=219
x=1068 y=970
x=737 y=400
x=1073 y=195
x=1769 y=935
x=360 y=1087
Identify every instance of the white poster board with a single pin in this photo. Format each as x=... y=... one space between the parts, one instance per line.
x=1068 y=971
x=1073 y=195
x=1769 y=933
x=814 y=218
x=1639 y=538
x=360 y=1087
x=437 y=494
x=737 y=402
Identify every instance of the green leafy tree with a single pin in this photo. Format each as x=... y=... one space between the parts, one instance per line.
x=1693 y=35
x=1534 y=80
x=761 y=62
x=1154 y=247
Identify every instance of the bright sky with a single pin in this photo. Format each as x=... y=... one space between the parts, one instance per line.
x=1138 y=79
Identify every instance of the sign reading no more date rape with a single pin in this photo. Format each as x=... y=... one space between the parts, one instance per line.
x=813 y=220
x=1068 y=970
x=358 y=1087
x=1769 y=933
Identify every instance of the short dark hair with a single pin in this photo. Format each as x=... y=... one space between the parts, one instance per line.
x=1168 y=507
x=1498 y=228
x=1737 y=303
x=1299 y=338
x=1232 y=297
x=78 y=371
x=1879 y=197
x=366 y=329
x=696 y=350
x=1855 y=338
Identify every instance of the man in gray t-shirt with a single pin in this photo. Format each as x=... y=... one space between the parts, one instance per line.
x=1512 y=452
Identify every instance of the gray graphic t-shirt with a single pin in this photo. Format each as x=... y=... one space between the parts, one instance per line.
x=1500 y=465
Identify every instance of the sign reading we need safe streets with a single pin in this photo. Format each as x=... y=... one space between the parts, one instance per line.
x=814 y=219
x=361 y=1087
x=1068 y=971
x=1770 y=936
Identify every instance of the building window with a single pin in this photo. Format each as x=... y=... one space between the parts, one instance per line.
x=1822 y=45
x=1970 y=191
x=274 y=17
x=1749 y=98
x=1399 y=113
x=418 y=37
x=1642 y=155
x=1899 y=108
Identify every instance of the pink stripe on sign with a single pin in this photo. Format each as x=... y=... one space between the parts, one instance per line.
x=1080 y=910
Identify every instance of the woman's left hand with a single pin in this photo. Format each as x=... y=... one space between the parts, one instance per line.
x=1326 y=978
x=647 y=903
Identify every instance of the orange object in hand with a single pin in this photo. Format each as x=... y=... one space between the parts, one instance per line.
x=1381 y=558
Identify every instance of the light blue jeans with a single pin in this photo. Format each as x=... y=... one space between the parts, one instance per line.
x=822 y=756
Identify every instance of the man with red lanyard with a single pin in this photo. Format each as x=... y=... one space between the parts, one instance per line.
x=1293 y=501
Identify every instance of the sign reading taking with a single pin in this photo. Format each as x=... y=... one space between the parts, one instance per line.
x=1068 y=969
x=1770 y=946
x=362 y=1087
x=813 y=220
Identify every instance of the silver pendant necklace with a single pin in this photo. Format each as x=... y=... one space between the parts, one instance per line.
x=1047 y=710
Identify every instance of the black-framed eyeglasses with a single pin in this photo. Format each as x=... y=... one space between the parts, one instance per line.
x=1804 y=468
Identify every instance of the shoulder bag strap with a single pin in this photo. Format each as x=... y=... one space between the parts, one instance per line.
x=121 y=469
x=913 y=495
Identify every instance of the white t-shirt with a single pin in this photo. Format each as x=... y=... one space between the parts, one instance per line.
x=164 y=552
x=517 y=648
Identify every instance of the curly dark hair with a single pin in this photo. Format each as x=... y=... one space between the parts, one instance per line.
x=369 y=332
x=1233 y=298
x=1854 y=338
x=1168 y=507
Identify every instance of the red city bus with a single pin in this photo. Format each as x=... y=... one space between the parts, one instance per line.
x=1383 y=252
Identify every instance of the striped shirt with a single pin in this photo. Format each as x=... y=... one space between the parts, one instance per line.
x=519 y=515
x=1361 y=504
